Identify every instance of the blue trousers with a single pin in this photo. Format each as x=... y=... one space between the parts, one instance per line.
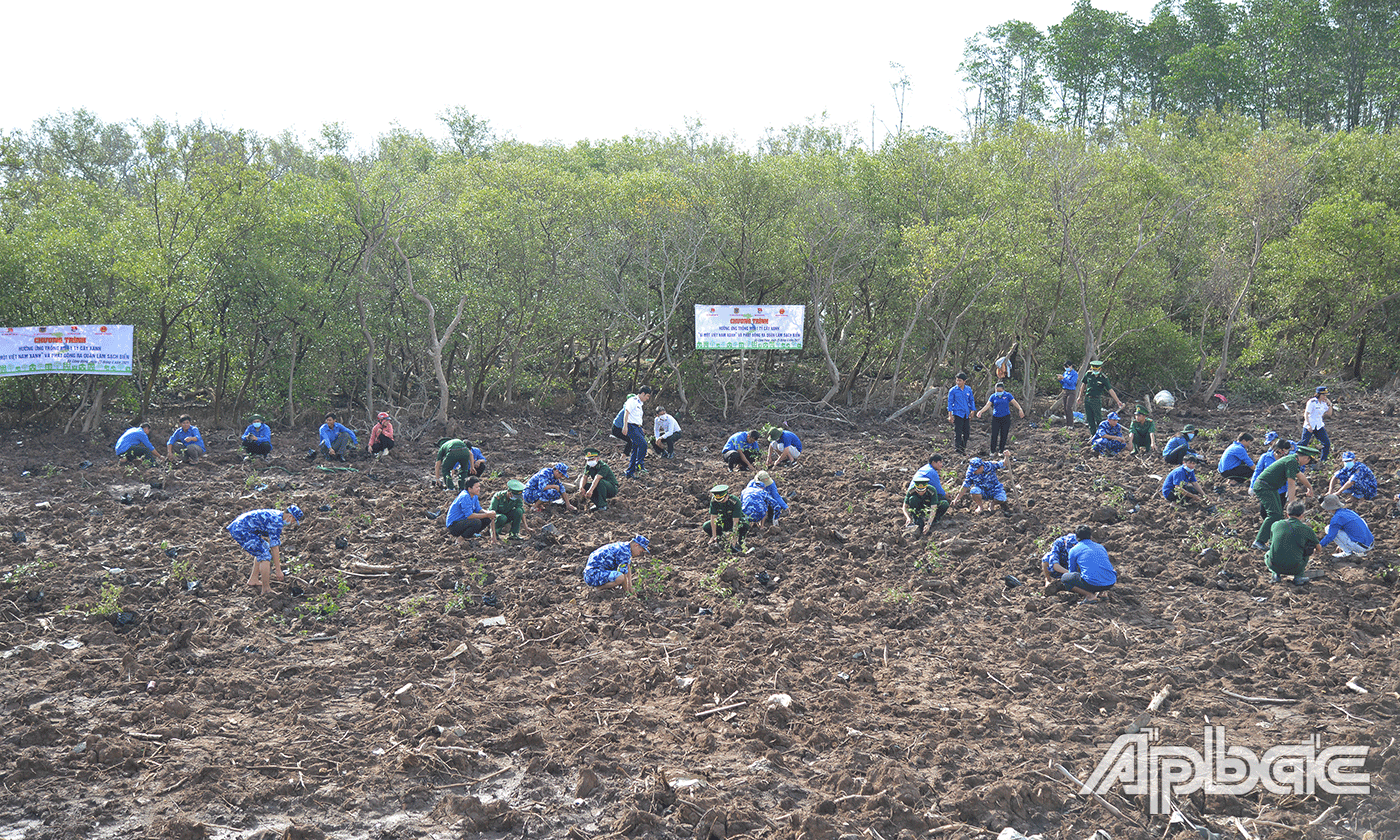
x=1321 y=435
x=639 y=450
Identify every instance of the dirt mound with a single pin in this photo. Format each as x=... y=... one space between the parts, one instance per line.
x=843 y=679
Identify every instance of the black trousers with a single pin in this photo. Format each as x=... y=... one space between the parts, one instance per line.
x=1001 y=427
x=257 y=447
x=468 y=527
x=962 y=430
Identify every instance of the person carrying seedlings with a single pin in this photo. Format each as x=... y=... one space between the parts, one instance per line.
x=187 y=440
x=1069 y=383
x=1091 y=573
x=761 y=502
x=1180 y=485
x=1352 y=534
x=548 y=485
x=999 y=403
x=1055 y=563
x=1354 y=479
x=1110 y=438
x=1179 y=445
x=335 y=440
x=509 y=508
x=453 y=454
x=667 y=431
x=598 y=482
x=783 y=448
x=1143 y=431
x=1282 y=473
x=961 y=404
x=1291 y=543
x=1235 y=463
x=982 y=482
x=136 y=443
x=466 y=518
x=259 y=532
x=1093 y=388
x=257 y=439
x=725 y=516
x=381 y=435
x=614 y=564
x=632 y=425
x=917 y=503
x=741 y=450
x=1315 y=415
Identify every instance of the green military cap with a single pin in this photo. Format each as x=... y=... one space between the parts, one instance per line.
x=1309 y=450
x=719 y=490
x=515 y=486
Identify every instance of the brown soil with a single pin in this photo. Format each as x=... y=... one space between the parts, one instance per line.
x=927 y=698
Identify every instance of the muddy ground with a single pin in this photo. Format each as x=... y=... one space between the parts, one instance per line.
x=927 y=699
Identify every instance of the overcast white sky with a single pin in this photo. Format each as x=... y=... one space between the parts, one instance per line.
x=543 y=72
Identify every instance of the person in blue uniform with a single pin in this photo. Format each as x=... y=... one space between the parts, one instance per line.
x=761 y=502
x=982 y=482
x=1347 y=529
x=999 y=403
x=548 y=485
x=186 y=440
x=614 y=564
x=1180 y=485
x=136 y=443
x=1069 y=384
x=741 y=451
x=467 y=518
x=335 y=440
x=1091 y=573
x=783 y=448
x=961 y=404
x=259 y=532
x=1179 y=445
x=1055 y=563
x=256 y=439
x=933 y=473
x=1235 y=462
x=1111 y=437
x=1353 y=479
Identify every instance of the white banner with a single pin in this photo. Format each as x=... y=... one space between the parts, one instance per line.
x=748 y=327
x=103 y=349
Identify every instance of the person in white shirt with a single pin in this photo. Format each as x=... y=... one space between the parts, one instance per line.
x=667 y=431
x=632 y=427
x=1315 y=413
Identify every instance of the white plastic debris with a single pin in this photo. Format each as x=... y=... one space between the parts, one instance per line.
x=1165 y=399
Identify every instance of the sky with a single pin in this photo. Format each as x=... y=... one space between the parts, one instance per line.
x=543 y=72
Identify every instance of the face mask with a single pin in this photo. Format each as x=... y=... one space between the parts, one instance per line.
x=1191 y=436
x=593 y=463
x=257 y=425
x=1349 y=463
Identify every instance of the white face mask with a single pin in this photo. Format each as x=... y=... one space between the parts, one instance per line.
x=257 y=425
x=1349 y=463
x=593 y=463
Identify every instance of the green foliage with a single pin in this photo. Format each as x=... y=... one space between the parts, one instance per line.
x=652 y=579
x=410 y=607
x=326 y=604
x=935 y=559
x=109 y=602
x=25 y=570
x=181 y=569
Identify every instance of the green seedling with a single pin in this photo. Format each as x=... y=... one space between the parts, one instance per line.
x=109 y=601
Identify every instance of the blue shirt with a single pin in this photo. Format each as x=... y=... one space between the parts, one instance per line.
x=329 y=434
x=132 y=438
x=986 y=479
x=758 y=499
x=259 y=523
x=789 y=439
x=935 y=481
x=613 y=557
x=1091 y=561
x=259 y=433
x=1180 y=475
x=1069 y=380
x=463 y=506
x=1000 y=403
x=961 y=402
x=1235 y=455
x=535 y=487
x=477 y=454
x=179 y=435
x=1059 y=551
x=1107 y=428
x=738 y=441
x=1178 y=442
x=1362 y=478
x=1354 y=526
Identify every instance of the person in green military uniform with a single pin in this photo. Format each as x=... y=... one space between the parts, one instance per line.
x=453 y=454
x=598 y=481
x=725 y=516
x=919 y=500
x=1091 y=391
x=1281 y=474
x=1292 y=542
x=1144 y=432
x=509 y=508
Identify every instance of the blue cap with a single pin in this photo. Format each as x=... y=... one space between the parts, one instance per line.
x=1112 y=415
x=295 y=512
x=1321 y=388
x=1271 y=437
x=1348 y=456
x=643 y=542
x=975 y=462
x=563 y=468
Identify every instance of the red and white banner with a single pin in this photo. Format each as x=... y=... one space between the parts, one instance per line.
x=103 y=349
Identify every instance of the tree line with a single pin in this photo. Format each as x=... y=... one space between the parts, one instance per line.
x=437 y=277
x=1332 y=65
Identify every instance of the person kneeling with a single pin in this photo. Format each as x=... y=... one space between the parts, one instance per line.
x=725 y=516
x=1180 y=484
x=1291 y=543
x=917 y=503
x=1090 y=574
x=612 y=565
x=466 y=518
